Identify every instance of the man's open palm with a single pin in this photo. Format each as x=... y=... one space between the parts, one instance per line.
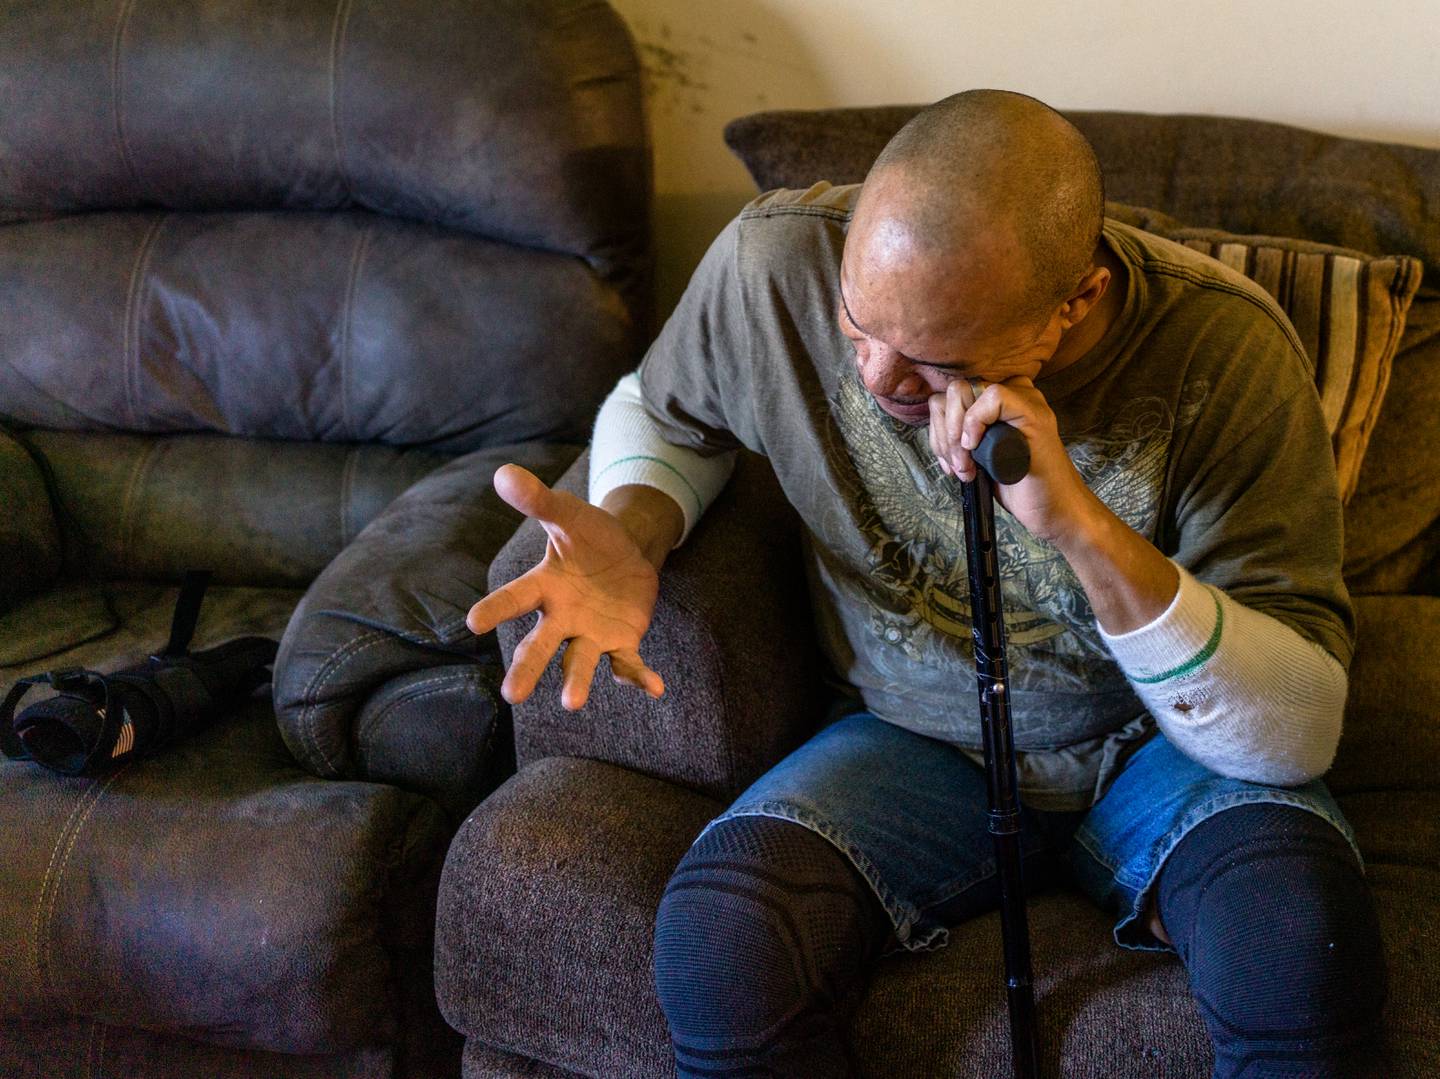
x=594 y=589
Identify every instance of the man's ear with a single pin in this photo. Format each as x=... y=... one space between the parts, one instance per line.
x=1084 y=296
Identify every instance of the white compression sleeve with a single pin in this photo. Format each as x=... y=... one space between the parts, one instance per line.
x=1234 y=689
x=628 y=448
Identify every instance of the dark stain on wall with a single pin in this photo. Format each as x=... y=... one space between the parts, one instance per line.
x=677 y=64
x=669 y=67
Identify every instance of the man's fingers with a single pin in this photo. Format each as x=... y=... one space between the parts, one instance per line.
x=986 y=410
x=577 y=668
x=555 y=510
x=936 y=431
x=629 y=668
x=532 y=656
x=523 y=489
x=958 y=400
x=962 y=400
x=947 y=414
x=520 y=596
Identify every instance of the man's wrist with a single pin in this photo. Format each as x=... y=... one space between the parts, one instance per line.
x=653 y=520
x=1128 y=582
x=1088 y=526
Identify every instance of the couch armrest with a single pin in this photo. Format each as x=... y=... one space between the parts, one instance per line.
x=29 y=537
x=1391 y=738
x=377 y=676
x=732 y=637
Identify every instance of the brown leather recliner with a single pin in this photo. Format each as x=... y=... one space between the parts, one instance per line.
x=264 y=267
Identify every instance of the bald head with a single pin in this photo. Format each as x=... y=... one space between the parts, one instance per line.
x=991 y=184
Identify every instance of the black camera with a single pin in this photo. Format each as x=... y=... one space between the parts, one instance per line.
x=98 y=720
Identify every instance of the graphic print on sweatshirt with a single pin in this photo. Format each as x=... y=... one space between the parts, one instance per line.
x=919 y=602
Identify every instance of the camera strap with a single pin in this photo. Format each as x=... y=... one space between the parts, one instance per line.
x=187 y=612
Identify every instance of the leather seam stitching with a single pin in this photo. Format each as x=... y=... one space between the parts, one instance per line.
x=45 y=884
x=128 y=524
x=116 y=45
x=337 y=47
x=321 y=676
x=131 y=343
x=335 y=673
x=347 y=314
x=447 y=630
x=347 y=476
x=46 y=939
x=427 y=687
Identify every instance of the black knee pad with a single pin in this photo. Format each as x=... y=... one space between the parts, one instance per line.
x=1271 y=913
x=762 y=940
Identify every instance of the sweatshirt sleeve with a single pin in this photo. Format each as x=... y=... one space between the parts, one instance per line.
x=629 y=448
x=1235 y=689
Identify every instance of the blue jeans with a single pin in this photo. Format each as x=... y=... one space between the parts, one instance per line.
x=909 y=812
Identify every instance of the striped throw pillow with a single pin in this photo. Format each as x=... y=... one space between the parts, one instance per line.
x=1349 y=309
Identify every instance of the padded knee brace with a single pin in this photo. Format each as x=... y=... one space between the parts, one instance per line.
x=762 y=941
x=1271 y=914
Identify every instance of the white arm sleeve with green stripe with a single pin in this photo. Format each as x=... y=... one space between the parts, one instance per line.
x=1234 y=689
x=628 y=448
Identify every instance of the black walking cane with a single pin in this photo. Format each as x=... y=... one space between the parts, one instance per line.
x=1004 y=456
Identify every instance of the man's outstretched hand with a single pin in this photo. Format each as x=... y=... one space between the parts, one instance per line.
x=594 y=589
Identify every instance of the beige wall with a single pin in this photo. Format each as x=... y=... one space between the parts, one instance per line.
x=1369 y=70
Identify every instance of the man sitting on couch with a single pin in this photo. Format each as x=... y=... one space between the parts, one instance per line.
x=1171 y=575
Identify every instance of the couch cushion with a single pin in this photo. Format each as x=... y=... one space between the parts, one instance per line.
x=543 y=949
x=217 y=892
x=336 y=327
x=255 y=512
x=1391 y=737
x=78 y=624
x=1104 y=1013
x=1392 y=525
x=1348 y=307
x=521 y=122
x=69 y=1048
x=29 y=538
x=484 y=1062
x=1399 y=836
x=547 y=907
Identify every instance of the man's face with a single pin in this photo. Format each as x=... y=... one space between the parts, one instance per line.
x=916 y=330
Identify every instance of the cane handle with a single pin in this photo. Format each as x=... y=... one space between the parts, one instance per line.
x=1003 y=453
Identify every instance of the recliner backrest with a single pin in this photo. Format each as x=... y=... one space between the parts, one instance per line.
x=422 y=223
